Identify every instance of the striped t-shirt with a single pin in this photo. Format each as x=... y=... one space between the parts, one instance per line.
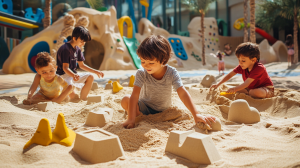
x=157 y=93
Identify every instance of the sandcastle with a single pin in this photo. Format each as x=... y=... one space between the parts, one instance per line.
x=97 y=146
x=99 y=117
x=45 y=106
x=198 y=148
x=208 y=80
x=95 y=99
x=241 y=112
x=95 y=86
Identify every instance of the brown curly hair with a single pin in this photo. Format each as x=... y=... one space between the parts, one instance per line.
x=155 y=47
x=248 y=49
x=44 y=59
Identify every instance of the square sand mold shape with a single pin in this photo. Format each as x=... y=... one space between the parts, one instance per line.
x=99 y=117
x=196 y=147
x=98 y=146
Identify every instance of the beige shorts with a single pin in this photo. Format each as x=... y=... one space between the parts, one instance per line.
x=80 y=83
x=269 y=90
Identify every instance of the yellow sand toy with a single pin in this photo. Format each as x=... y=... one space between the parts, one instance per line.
x=61 y=134
x=239 y=24
x=225 y=93
x=42 y=136
x=131 y=81
x=117 y=87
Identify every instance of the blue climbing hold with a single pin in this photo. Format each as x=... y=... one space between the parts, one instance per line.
x=35 y=17
x=65 y=40
x=178 y=48
x=6 y=6
x=54 y=41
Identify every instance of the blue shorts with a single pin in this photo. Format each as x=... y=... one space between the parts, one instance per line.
x=146 y=110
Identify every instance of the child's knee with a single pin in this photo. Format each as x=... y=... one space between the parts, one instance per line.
x=90 y=78
x=70 y=88
x=125 y=101
x=259 y=93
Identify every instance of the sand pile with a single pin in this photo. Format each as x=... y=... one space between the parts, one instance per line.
x=273 y=142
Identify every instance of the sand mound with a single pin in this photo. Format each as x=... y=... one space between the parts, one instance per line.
x=272 y=142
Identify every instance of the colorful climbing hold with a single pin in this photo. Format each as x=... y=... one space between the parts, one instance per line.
x=212 y=39
x=111 y=47
x=54 y=41
x=214 y=34
x=65 y=40
x=209 y=33
x=213 y=49
x=172 y=41
x=207 y=46
x=210 y=26
x=118 y=40
x=217 y=40
x=178 y=48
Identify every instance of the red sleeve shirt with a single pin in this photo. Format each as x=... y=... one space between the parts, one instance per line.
x=258 y=73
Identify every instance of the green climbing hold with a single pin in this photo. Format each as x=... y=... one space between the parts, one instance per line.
x=118 y=40
x=111 y=47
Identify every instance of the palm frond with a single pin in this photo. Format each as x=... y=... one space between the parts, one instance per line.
x=95 y=4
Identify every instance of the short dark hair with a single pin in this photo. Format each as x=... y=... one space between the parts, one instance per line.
x=44 y=59
x=81 y=32
x=289 y=40
x=155 y=47
x=248 y=49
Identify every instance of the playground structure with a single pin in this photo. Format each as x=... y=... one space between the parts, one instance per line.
x=114 y=43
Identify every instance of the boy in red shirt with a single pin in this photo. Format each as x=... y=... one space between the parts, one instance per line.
x=256 y=79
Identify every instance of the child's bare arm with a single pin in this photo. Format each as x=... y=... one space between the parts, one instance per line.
x=247 y=82
x=69 y=72
x=226 y=78
x=134 y=98
x=187 y=101
x=34 y=85
x=67 y=89
x=83 y=66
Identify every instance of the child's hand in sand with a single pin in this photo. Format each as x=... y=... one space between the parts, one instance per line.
x=213 y=87
x=231 y=91
x=129 y=124
x=26 y=102
x=204 y=119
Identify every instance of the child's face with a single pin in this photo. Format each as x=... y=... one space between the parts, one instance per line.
x=227 y=46
x=151 y=66
x=78 y=42
x=47 y=72
x=246 y=62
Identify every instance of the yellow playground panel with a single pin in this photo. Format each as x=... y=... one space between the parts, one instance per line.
x=129 y=26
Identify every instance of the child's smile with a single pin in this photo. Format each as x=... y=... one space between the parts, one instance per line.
x=246 y=62
x=153 y=67
x=47 y=72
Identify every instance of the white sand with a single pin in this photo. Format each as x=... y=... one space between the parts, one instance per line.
x=239 y=145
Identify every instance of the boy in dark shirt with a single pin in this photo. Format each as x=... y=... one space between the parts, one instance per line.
x=256 y=79
x=67 y=57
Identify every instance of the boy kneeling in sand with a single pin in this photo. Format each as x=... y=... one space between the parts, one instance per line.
x=52 y=87
x=257 y=82
x=152 y=90
x=67 y=57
